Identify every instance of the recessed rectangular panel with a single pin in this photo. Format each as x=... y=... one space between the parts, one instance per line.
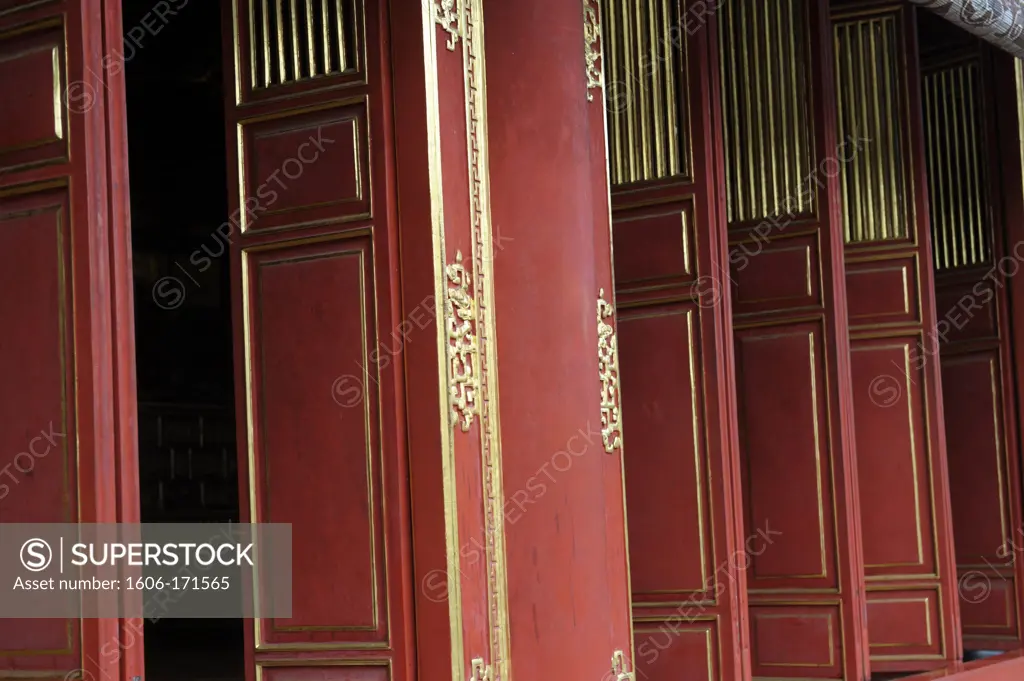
x=316 y=443
x=783 y=273
x=653 y=249
x=33 y=123
x=37 y=438
x=666 y=471
x=882 y=292
x=904 y=623
x=972 y=396
x=965 y=314
x=675 y=650
x=305 y=168
x=329 y=670
x=37 y=364
x=794 y=641
x=783 y=445
x=988 y=605
x=892 y=456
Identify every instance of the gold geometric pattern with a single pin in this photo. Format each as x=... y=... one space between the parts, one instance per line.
x=643 y=62
x=295 y=40
x=870 y=93
x=765 y=102
x=955 y=151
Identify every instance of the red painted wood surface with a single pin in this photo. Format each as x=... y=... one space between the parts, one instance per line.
x=901 y=453
x=318 y=362
x=67 y=351
x=793 y=388
x=687 y=559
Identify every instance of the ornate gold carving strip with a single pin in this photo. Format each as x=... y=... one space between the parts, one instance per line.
x=870 y=104
x=608 y=372
x=460 y=323
x=592 y=47
x=764 y=67
x=955 y=154
x=483 y=270
x=446 y=14
x=642 y=56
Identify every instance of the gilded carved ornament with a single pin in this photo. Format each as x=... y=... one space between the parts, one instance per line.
x=460 y=320
x=608 y=371
x=592 y=46
x=481 y=672
x=620 y=668
x=446 y=14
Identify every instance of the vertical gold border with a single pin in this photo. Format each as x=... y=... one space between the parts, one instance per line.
x=434 y=163
x=475 y=70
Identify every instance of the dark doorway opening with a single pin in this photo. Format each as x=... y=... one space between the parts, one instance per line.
x=178 y=178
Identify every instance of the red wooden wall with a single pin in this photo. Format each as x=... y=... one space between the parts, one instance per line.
x=897 y=403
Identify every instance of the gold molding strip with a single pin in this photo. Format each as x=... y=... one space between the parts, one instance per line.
x=644 y=61
x=460 y=324
x=446 y=15
x=592 y=47
x=483 y=252
x=955 y=154
x=870 y=104
x=448 y=469
x=620 y=667
x=608 y=371
x=764 y=73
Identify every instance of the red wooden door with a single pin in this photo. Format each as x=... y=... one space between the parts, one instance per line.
x=317 y=331
x=796 y=445
x=975 y=267
x=897 y=403
x=686 y=558
x=67 y=437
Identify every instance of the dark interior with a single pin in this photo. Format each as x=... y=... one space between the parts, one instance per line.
x=177 y=163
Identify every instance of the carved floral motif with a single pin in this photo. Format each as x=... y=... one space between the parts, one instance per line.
x=608 y=370
x=446 y=14
x=592 y=46
x=460 y=316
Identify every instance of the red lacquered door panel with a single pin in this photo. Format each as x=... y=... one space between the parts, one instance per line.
x=317 y=368
x=897 y=403
x=973 y=232
x=686 y=558
x=67 y=437
x=792 y=375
